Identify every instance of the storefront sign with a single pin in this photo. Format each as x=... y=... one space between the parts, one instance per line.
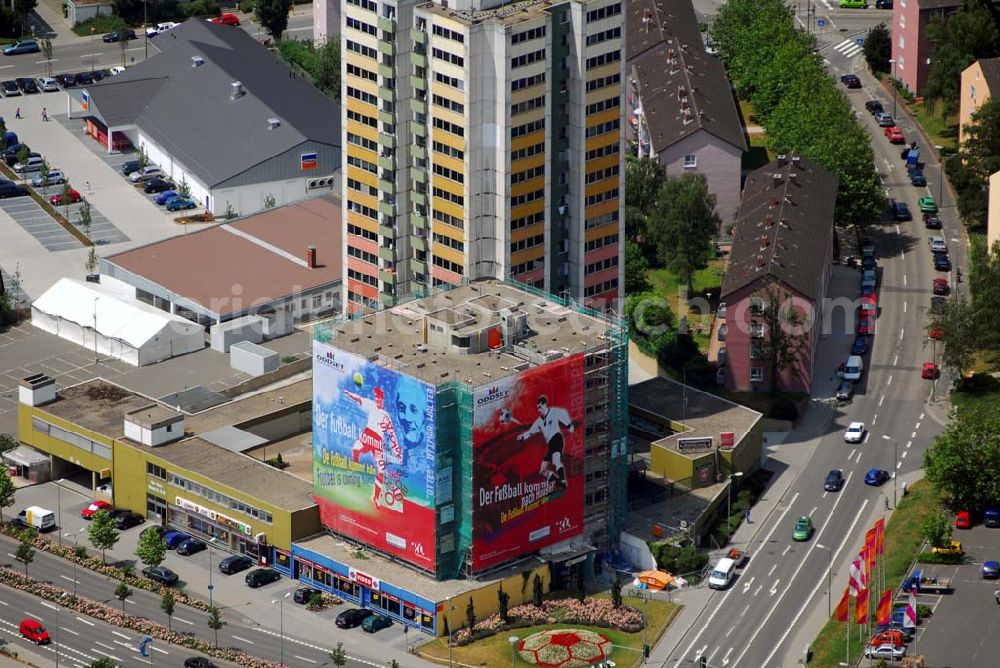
x=156 y=487
x=727 y=440
x=214 y=516
x=364 y=579
x=694 y=444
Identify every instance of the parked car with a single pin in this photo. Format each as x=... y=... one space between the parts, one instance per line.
x=855 y=432
x=33 y=630
x=869 y=279
x=158 y=529
x=10 y=88
x=917 y=178
x=375 y=623
x=938 y=304
x=932 y=222
x=963 y=520
x=66 y=80
x=991 y=570
x=32 y=164
x=145 y=174
x=130 y=166
x=900 y=212
x=888 y=637
x=868 y=263
x=180 y=203
x=888 y=652
x=9 y=189
x=226 y=19
x=349 y=619
x=873 y=107
x=89 y=512
x=303 y=594
x=165 y=197
x=834 y=481
x=851 y=80
x=157 y=185
x=235 y=564
x=56 y=178
x=860 y=346
x=866 y=326
x=884 y=120
x=854 y=366
x=161 y=574
x=22 y=46
x=876 y=477
x=883 y=4
x=937 y=244
x=991 y=518
x=174 y=538
x=118 y=35
x=71 y=196
x=895 y=135
x=261 y=576
x=929 y=371
x=100 y=75
x=942 y=262
x=153 y=31
x=952 y=549
x=927 y=204
x=845 y=391
x=126 y=519
x=198 y=662
x=116 y=70
x=723 y=332
x=191 y=546
x=27 y=86
x=84 y=78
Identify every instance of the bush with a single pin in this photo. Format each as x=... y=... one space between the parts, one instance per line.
x=248 y=6
x=679 y=560
x=99 y=25
x=199 y=8
x=933 y=558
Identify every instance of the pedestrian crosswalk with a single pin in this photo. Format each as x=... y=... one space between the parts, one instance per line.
x=848 y=48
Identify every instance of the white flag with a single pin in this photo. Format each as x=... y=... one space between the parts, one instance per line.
x=910 y=615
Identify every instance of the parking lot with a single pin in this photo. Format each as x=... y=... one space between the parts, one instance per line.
x=27 y=213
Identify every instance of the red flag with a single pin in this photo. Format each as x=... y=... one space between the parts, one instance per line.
x=880 y=536
x=883 y=614
x=871 y=540
x=861 y=607
x=865 y=563
x=842 y=607
x=857 y=576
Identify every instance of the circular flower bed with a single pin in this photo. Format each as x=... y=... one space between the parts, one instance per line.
x=564 y=648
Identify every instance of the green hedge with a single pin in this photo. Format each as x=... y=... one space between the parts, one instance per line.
x=101 y=25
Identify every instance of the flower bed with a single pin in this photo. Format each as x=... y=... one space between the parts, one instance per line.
x=564 y=648
x=111 y=615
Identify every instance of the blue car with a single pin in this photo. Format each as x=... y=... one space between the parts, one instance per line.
x=22 y=46
x=917 y=178
x=942 y=262
x=175 y=538
x=179 y=203
x=901 y=212
x=876 y=477
x=166 y=196
x=860 y=346
x=991 y=570
x=991 y=517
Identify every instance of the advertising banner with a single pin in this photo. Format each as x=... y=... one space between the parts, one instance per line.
x=527 y=461
x=373 y=454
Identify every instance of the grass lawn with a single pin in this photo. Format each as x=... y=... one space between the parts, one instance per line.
x=707 y=280
x=981 y=390
x=495 y=650
x=902 y=541
x=942 y=130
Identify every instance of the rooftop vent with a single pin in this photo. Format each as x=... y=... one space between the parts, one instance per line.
x=782 y=159
x=272 y=123
x=235 y=90
x=197 y=61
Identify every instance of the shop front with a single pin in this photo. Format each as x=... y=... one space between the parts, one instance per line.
x=206 y=524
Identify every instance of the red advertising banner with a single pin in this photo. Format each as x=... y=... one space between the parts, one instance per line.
x=527 y=461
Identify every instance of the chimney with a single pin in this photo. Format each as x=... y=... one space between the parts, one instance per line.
x=196 y=61
x=235 y=90
x=273 y=123
x=311 y=257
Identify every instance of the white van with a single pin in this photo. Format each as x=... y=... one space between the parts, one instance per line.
x=35 y=516
x=853 y=368
x=722 y=574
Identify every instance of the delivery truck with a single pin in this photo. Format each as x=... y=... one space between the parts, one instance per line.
x=37 y=517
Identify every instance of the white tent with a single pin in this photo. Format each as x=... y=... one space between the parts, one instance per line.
x=127 y=329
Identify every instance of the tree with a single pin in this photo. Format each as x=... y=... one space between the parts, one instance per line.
x=936 y=527
x=123 y=42
x=26 y=547
x=963 y=462
x=616 y=591
x=66 y=199
x=273 y=15
x=684 y=225
x=103 y=662
x=503 y=601
x=784 y=325
x=103 y=533
x=142 y=157
x=22 y=8
x=86 y=218
x=537 y=591
x=878 y=48
x=183 y=189
x=644 y=179
x=470 y=614
x=46 y=46
x=636 y=267
x=22 y=157
x=122 y=592
x=152 y=549
x=957 y=323
x=326 y=75
x=43 y=174
x=339 y=656
x=7 y=490
x=745 y=32
x=167 y=605
x=980 y=157
x=959 y=40
x=215 y=622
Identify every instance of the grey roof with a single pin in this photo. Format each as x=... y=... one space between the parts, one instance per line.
x=233 y=439
x=785 y=227
x=682 y=88
x=991 y=72
x=189 y=110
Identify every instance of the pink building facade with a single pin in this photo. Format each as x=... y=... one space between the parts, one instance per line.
x=911 y=50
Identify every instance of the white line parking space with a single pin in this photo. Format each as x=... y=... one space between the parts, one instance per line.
x=27 y=213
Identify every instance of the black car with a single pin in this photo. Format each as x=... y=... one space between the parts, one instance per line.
x=932 y=222
x=27 y=86
x=10 y=153
x=84 y=78
x=157 y=185
x=873 y=107
x=900 y=211
x=9 y=189
x=851 y=80
x=65 y=80
x=883 y=4
x=352 y=618
x=834 y=481
x=235 y=564
x=117 y=35
x=942 y=262
x=10 y=88
x=126 y=519
x=191 y=546
x=198 y=662
x=303 y=594
x=262 y=576
x=98 y=75
x=104 y=73
x=130 y=166
x=158 y=529
x=161 y=574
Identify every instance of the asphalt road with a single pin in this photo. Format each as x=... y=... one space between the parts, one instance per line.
x=266 y=643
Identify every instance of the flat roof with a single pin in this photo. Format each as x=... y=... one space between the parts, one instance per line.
x=703 y=414
x=396 y=336
x=405 y=578
x=500 y=12
x=96 y=405
x=260 y=259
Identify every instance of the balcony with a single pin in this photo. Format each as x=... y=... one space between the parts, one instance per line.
x=418 y=59
x=388 y=208
x=417 y=82
x=418 y=266
x=419 y=221
x=386 y=94
x=387 y=231
x=419 y=175
x=418 y=36
x=419 y=129
x=418 y=151
x=419 y=106
x=419 y=198
x=386 y=253
x=387 y=48
x=419 y=243
x=386 y=72
x=387 y=276
x=387 y=162
x=387 y=140
x=386 y=116
x=388 y=299
x=386 y=186
x=387 y=25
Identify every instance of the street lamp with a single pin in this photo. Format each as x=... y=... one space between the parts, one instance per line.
x=895 y=465
x=729 y=500
x=513 y=649
x=281 y=624
x=829 y=580
x=940 y=174
x=211 y=587
x=892 y=61
x=75 y=545
x=59 y=512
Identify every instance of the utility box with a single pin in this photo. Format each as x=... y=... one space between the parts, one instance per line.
x=225 y=334
x=252 y=359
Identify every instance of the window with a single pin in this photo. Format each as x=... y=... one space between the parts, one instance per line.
x=365 y=51
x=366 y=28
x=448 y=57
x=354 y=70
x=527 y=59
x=527 y=128
x=601 y=128
x=972 y=92
x=612 y=33
x=603 y=219
x=358 y=140
x=901 y=42
x=154 y=470
x=756 y=330
x=362 y=255
x=442 y=101
x=690 y=161
x=449 y=242
x=603 y=82
x=757 y=374
x=604 y=12
x=603 y=105
x=448 y=219
x=526 y=35
x=449 y=265
x=454 y=82
x=361 y=232
x=902 y=21
x=447 y=173
x=317 y=301
x=756 y=306
x=604 y=59
x=449 y=127
x=527 y=82
x=364 y=4
x=525 y=221
x=220 y=499
x=441 y=31
x=448 y=150
x=756 y=351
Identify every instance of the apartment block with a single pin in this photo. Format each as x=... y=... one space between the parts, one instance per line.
x=482 y=141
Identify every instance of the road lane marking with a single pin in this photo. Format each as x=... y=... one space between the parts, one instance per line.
x=909 y=443
x=730 y=631
x=785 y=551
x=889 y=382
x=3 y=603
x=66 y=630
x=811 y=512
x=921 y=417
x=712 y=655
x=918 y=426
x=868 y=434
x=110 y=656
x=749 y=584
x=49 y=606
x=87 y=621
x=725 y=659
x=874 y=419
x=183 y=621
x=157 y=649
x=899 y=465
x=852 y=453
x=99 y=643
x=745 y=610
x=904 y=280
x=302 y=658
x=90 y=55
x=897 y=225
x=774 y=587
x=758 y=589
x=882 y=399
x=120 y=635
x=67 y=578
x=901 y=334
x=126 y=645
x=905 y=452
x=858 y=460
x=701 y=652
x=913 y=435
x=249 y=642
x=35 y=616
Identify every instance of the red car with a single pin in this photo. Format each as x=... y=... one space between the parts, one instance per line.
x=88 y=512
x=895 y=135
x=866 y=326
x=941 y=286
x=929 y=371
x=34 y=631
x=227 y=20
x=963 y=520
x=57 y=199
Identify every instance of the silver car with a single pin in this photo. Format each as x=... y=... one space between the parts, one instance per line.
x=146 y=173
x=56 y=177
x=846 y=391
x=48 y=85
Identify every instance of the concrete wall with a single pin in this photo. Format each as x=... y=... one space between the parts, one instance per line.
x=718 y=160
x=252 y=359
x=80 y=13
x=326 y=20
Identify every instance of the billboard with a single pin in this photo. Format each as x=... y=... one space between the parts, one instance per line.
x=527 y=461
x=373 y=454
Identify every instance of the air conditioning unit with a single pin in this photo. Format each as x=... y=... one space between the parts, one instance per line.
x=320 y=182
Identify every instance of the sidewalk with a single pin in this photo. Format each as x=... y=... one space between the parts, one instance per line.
x=47 y=21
